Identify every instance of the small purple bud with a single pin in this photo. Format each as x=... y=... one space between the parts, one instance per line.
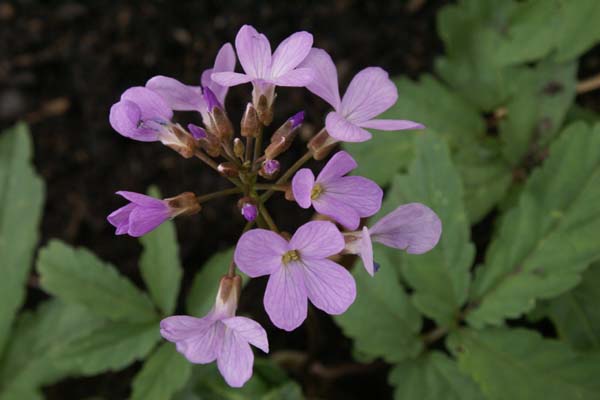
x=297 y=119
x=271 y=167
x=197 y=132
x=211 y=100
x=249 y=211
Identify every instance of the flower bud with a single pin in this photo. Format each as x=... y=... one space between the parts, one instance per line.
x=197 y=132
x=217 y=121
x=269 y=169
x=249 y=212
x=284 y=136
x=250 y=125
x=228 y=296
x=179 y=140
x=238 y=148
x=321 y=145
x=183 y=204
x=228 y=169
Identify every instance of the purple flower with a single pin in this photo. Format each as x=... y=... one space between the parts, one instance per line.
x=264 y=70
x=413 y=227
x=271 y=167
x=299 y=270
x=220 y=336
x=181 y=97
x=370 y=93
x=249 y=211
x=139 y=217
x=346 y=199
x=141 y=114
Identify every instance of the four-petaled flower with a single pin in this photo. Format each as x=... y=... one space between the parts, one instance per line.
x=346 y=199
x=299 y=270
x=220 y=336
x=264 y=70
x=413 y=227
x=370 y=93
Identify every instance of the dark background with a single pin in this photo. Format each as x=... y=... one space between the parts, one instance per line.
x=64 y=63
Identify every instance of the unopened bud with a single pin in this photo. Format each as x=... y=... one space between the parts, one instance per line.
x=211 y=145
x=238 y=148
x=284 y=136
x=228 y=296
x=289 y=194
x=222 y=124
x=211 y=100
x=321 y=145
x=250 y=125
x=184 y=204
x=248 y=208
x=228 y=169
x=269 y=169
x=197 y=132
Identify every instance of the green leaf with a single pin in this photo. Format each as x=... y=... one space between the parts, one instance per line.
x=536 y=112
x=164 y=373
x=486 y=178
x=111 y=347
x=576 y=315
x=30 y=359
x=382 y=321
x=78 y=276
x=545 y=242
x=538 y=27
x=440 y=277
x=433 y=376
x=159 y=263
x=204 y=289
x=519 y=364
x=428 y=102
x=21 y=201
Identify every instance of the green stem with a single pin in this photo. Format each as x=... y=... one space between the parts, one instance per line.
x=221 y=193
x=248 y=148
x=257 y=149
x=271 y=186
x=265 y=214
x=287 y=175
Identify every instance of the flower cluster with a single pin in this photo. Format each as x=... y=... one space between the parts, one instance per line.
x=299 y=265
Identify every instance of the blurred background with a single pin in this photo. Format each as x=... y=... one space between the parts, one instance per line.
x=64 y=63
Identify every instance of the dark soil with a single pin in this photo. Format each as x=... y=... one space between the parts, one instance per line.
x=62 y=65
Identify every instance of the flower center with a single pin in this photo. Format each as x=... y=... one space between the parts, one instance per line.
x=316 y=191
x=290 y=256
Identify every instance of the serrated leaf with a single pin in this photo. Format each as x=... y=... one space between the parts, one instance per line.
x=433 y=376
x=545 y=242
x=535 y=113
x=164 y=373
x=428 y=102
x=111 y=347
x=21 y=201
x=201 y=296
x=382 y=321
x=77 y=276
x=486 y=177
x=519 y=364
x=576 y=314
x=30 y=360
x=440 y=277
x=159 y=263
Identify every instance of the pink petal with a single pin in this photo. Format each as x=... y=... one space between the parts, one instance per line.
x=302 y=185
x=391 y=124
x=362 y=194
x=259 y=252
x=412 y=227
x=254 y=52
x=330 y=286
x=249 y=330
x=180 y=97
x=366 y=251
x=296 y=78
x=198 y=339
x=370 y=93
x=145 y=219
x=125 y=117
x=229 y=79
x=317 y=239
x=285 y=297
x=343 y=214
x=290 y=53
x=235 y=359
x=120 y=218
x=142 y=199
x=224 y=62
x=339 y=165
x=151 y=104
x=325 y=83
x=343 y=130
